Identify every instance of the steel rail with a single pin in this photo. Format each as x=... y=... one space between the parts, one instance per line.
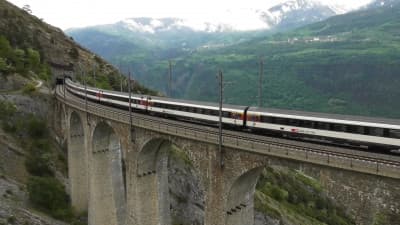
x=256 y=138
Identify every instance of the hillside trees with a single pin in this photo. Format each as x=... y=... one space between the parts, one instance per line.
x=21 y=60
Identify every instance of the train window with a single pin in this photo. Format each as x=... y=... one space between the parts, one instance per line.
x=282 y=121
x=351 y=129
x=294 y=122
x=236 y=115
x=374 y=131
x=394 y=133
x=226 y=114
x=386 y=132
x=267 y=119
x=307 y=123
x=253 y=117
x=354 y=129
x=273 y=119
x=338 y=127
x=322 y=126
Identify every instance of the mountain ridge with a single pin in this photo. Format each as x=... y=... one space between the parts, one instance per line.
x=284 y=15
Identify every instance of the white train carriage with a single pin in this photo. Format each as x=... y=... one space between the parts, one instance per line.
x=353 y=129
x=193 y=111
x=198 y=111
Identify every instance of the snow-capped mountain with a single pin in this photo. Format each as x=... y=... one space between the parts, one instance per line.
x=289 y=14
x=151 y=25
x=382 y=3
x=294 y=13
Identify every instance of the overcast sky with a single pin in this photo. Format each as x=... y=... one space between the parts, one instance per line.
x=78 y=13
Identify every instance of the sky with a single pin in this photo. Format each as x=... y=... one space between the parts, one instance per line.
x=80 y=13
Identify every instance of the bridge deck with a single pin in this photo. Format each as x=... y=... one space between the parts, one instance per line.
x=339 y=157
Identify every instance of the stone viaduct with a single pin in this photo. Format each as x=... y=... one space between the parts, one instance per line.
x=118 y=174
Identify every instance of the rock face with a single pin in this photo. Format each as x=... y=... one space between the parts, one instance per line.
x=14 y=207
x=11 y=83
x=59 y=51
x=262 y=219
x=369 y=199
x=186 y=192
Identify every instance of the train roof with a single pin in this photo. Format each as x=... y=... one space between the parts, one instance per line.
x=282 y=112
x=364 y=119
x=203 y=103
x=166 y=99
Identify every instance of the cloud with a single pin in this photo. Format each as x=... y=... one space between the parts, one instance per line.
x=74 y=13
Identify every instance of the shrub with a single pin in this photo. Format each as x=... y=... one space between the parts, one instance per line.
x=6 y=50
x=29 y=89
x=45 y=72
x=7 y=109
x=48 y=194
x=39 y=164
x=277 y=193
x=11 y=220
x=3 y=65
x=36 y=128
x=74 y=53
x=33 y=60
x=20 y=61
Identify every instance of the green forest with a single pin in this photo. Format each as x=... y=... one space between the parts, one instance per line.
x=348 y=64
x=21 y=60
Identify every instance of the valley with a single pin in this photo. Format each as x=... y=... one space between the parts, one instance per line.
x=346 y=64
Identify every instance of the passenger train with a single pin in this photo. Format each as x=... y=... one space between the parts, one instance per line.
x=365 y=132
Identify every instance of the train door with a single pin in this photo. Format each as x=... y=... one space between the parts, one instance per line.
x=149 y=105
x=99 y=95
x=143 y=103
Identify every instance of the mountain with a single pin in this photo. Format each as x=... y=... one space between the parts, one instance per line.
x=168 y=37
x=295 y=13
x=139 y=43
x=34 y=168
x=289 y=14
x=292 y=13
x=381 y=3
x=345 y=64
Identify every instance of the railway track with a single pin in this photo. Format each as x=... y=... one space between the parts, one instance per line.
x=248 y=137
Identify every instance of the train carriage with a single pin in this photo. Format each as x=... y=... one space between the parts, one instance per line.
x=332 y=128
x=196 y=111
x=351 y=129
